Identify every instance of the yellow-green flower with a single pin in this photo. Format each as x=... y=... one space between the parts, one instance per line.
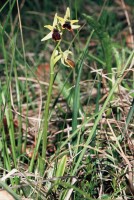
x=66 y=60
x=54 y=31
x=64 y=57
x=67 y=23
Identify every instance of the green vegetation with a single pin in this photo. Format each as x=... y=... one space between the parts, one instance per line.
x=67 y=106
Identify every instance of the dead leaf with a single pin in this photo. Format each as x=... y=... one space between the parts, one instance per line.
x=129 y=39
x=4 y=195
x=42 y=72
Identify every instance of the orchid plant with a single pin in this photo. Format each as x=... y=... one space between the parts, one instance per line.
x=56 y=32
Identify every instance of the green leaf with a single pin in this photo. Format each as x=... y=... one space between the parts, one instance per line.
x=60 y=169
x=9 y=190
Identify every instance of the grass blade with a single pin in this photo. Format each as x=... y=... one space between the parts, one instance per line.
x=105 y=42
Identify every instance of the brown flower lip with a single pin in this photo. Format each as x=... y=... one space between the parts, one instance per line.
x=56 y=35
x=70 y=63
x=67 y=25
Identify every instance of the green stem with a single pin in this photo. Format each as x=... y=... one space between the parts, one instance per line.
x=46 y=111
x=46 y=120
